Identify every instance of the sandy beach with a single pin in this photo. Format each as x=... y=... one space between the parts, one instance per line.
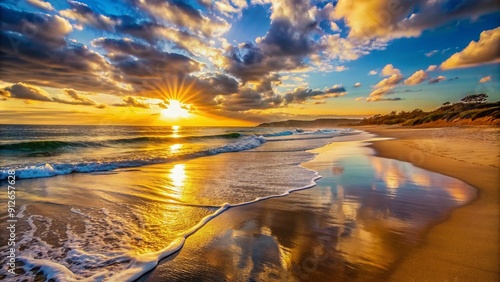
x=466 y=246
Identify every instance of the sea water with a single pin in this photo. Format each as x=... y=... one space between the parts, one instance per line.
x=106 y=203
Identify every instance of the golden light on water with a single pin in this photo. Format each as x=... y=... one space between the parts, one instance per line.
x=175 y=131
x=175 y=148
x=178 y=175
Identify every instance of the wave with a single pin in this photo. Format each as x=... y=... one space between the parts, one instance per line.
x=137 y=265
x=56 y=144
x=52 y=169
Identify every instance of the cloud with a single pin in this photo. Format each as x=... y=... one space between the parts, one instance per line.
x=140 y=60
x=416 y=78
x=359 y=99
x=291 y=44
x=379 y=93
x=390 y=81
x=77 y=99
x=334 y=26
x=39 y=27
x=335 y=47
x=388 y=19
x=72 y=65
x=28 y=92
x=130 y=101
x=248 y=99
x=431 y=53
x=300 y=94
x=251 y=63
x=389 y=70
x=181 y=14
x=386 y=85
x=437 y=79
x=357 y=84
x=41 y=4
x=485 y=51
x=431 y=68
x=485 y=79
x=32 y=93
x=373 y=72
x=83 y=14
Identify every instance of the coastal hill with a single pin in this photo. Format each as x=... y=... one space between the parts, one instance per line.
x=470 y=110
x=323 y=122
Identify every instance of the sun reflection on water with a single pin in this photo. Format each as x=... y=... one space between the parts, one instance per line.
x=175 y=131
x=175 y=148
x=178 y=175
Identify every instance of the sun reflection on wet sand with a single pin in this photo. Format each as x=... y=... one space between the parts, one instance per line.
x=364 y=215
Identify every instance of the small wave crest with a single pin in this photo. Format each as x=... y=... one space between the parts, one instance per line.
x=52 y=169
x=52 y=145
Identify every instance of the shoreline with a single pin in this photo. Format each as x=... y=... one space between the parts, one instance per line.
x=465 y=245
x=216 y=239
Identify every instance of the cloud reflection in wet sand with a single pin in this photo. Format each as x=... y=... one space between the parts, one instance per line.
x=364 y=215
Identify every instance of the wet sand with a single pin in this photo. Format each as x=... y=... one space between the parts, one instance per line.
x=466 y=246
x=364 y=216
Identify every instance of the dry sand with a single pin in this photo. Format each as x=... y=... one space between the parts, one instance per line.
x=466 y=246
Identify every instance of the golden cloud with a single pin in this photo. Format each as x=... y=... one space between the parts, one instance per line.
x=484 y=51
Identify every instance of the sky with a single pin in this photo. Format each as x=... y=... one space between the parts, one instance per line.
x=240 y=62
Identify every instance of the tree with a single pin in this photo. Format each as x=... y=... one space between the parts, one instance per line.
x=474 y=98
x=446 y=104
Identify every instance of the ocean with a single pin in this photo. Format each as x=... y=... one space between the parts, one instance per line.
x=107 y=203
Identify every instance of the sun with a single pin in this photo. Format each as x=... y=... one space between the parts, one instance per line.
x=175 y=110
